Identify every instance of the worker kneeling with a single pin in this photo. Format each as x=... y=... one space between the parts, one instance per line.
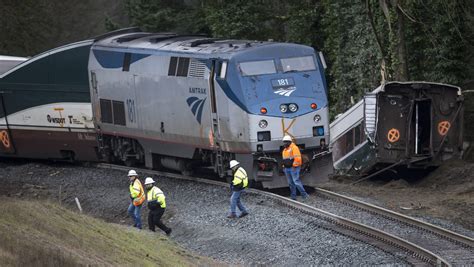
x=239 y=182
x=156 y=205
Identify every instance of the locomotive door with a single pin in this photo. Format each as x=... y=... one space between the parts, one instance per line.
x=215 y=129
x=6 y=141
x=392 y=126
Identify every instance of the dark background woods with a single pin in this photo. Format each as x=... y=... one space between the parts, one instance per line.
x=363 y=41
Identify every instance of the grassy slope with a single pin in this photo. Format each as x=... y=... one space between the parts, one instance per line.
x=41 y=233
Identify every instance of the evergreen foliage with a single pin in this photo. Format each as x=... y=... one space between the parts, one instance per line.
x=419 y=39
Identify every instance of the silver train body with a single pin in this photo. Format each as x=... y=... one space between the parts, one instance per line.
x=8 y=62
x=182 y=102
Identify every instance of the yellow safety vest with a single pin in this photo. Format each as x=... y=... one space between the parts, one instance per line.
x=240 y=178
x=155 y=194
x=137 y=192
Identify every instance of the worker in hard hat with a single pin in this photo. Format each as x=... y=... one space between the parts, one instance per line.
x=157 y=205
x=137 y=195
x=239 y=182
x=292 y=165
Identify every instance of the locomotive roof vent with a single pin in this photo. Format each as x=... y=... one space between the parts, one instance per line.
x=161 y=37
x=199 y=42
x=117 y=32
x=132 y=37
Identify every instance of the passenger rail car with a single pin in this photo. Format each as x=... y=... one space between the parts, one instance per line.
x=45 y=109
x=400 y=124
x=185 y=101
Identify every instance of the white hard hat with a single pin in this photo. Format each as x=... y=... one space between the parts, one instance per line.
x=233 y=163
x=149 y=180
x=132 y=173
x=287 y=138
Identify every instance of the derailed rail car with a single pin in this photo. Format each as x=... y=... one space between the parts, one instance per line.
x=185 y=101
x=400 y=124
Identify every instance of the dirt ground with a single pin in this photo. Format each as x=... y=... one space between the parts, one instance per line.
x=446 y=193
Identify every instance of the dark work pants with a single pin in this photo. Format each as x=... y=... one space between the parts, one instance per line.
x=154 y=218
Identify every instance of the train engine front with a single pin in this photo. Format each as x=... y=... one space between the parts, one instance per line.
x=281 y=90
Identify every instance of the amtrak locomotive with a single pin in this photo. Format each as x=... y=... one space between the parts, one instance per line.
x=182 y=102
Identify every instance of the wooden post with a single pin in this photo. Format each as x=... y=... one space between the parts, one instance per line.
x=60 y=197
x=78 y=204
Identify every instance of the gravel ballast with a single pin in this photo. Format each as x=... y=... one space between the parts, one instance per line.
x=271 y=234
x=450 y=251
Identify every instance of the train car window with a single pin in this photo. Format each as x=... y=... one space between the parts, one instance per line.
x=298 y=64
x=173 y=65
x=223 y=70
x=126 y=61
x=338 y=149
x=183 y=67
x=118 y=108
x=349 y=141
x=257 y=67
x=106 y=111
x=357 y=136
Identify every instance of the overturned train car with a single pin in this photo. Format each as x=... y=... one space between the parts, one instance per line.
x=409 y=125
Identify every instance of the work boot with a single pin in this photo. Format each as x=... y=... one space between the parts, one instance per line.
x=243 y=214
x=305 y=199
x=232 y=215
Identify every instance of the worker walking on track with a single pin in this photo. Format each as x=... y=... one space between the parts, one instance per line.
x=292 y=166
x=137 y=195
x=157 y=205
x=239 y=182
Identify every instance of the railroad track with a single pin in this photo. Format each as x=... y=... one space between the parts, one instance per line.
x=417 y=255
x=457 y=249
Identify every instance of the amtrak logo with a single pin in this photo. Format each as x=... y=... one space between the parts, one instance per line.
x=285 y=91
x=196 y=105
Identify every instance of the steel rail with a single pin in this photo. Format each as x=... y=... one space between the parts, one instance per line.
x=460 y=239
x=412 y=249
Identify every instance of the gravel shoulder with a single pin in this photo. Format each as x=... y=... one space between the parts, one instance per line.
x=271 y=234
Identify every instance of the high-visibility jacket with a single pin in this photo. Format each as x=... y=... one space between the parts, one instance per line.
x=137 y=193
x=293 y=152
x=241 y=180
x=156 y=197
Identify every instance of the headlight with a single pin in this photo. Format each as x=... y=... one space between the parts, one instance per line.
x=263 y=124
x=283 y=108
x=317 y=118
x=293 y=107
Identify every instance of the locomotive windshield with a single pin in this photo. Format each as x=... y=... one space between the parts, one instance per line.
x=257 y=67
x=298 y=64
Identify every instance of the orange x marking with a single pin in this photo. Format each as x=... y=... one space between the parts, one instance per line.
x=393 y=135
x=443 y=127
x=5 y=139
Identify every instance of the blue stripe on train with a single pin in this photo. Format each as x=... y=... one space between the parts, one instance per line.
x=114 y=59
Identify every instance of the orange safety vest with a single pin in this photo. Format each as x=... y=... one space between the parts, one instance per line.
x=137 y=192
x=293 y=152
